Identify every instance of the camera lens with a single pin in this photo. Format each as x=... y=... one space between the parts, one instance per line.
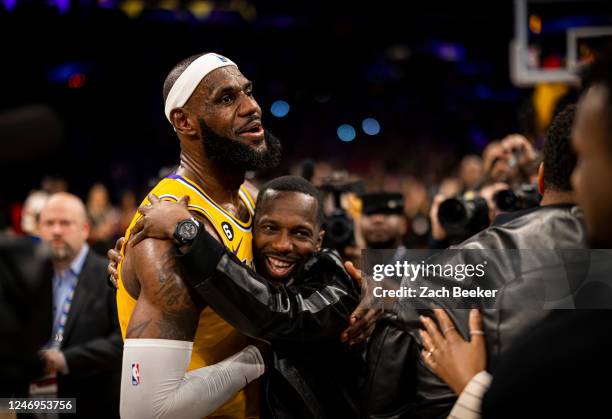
x=506 y=200
x=452 y=212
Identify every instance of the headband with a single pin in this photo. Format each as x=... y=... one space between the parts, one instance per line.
x=183 y=87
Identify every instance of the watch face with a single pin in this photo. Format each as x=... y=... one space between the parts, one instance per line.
x=188 y=230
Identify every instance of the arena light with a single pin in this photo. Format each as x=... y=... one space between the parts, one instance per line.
x=346 y=132
x=370 y=126
x=280 y=108
x=448 y=51
x=201 y=8
x=76 y=81
x=62 y=5
x=9 y=5
x=132 y=8
x=535 y=24
x=108 y=4
x=63 y=72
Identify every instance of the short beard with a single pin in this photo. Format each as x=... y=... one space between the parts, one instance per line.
x=66 y=253
x=233 y=154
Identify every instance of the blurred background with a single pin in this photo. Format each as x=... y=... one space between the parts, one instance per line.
x=391 y=96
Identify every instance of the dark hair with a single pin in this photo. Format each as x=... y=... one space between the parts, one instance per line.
x=175 y=73
x=559 y=156
x=292 y=184
x=599 y=72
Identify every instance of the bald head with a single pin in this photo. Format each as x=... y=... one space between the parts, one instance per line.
x=67 y=202
x=64 y=226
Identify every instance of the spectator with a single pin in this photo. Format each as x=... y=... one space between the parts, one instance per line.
x=471 y=172
x=383 y=224
x=54 y=184
x=127 y=209
x=104 y=218
x=31 y=211
x=556 y=224
x=85 y=350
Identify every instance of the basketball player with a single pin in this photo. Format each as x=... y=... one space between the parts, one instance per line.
x=210 y=104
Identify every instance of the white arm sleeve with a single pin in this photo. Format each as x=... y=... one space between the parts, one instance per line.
x=469 y=403
x=154 y=382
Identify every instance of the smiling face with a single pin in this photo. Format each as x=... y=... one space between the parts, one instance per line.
x=286 y=232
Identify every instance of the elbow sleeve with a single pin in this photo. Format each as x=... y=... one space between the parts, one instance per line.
x=155 y=384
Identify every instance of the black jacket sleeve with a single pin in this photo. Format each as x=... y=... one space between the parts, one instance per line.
x=314 y=305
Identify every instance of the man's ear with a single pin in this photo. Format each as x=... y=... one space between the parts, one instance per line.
x=183 y=123
x=541 y=179
x=320 y=239
x=86 y=229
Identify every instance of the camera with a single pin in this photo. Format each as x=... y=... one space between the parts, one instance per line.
x=523 y=197
x=339 y=225
x=339 y=230
x=463 y=216
x=516 y=154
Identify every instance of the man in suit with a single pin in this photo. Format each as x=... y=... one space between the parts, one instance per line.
x=85 y=349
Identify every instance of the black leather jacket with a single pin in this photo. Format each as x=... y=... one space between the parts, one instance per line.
x=311 y=374
x=398 y=383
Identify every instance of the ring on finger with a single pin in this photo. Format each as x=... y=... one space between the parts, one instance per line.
x=448 y=329
x=477 y=332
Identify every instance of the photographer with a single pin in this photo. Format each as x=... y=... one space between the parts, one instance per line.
x=382 y=222
x=556 y=224
x=454 y=219
x=508 y=187
x=511 y=160
x=340 y=191
x=534 y=376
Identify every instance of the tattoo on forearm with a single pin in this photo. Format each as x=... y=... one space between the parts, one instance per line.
x=177 y=325
x=179 y=314
x=136 y=330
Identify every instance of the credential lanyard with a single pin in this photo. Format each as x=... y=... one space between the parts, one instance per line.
x=65 y=307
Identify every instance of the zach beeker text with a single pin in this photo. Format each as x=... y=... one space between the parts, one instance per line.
x=427 y=292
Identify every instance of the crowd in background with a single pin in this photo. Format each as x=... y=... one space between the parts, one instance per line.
x=108 y=220
x=459 y=147
x=506 y=164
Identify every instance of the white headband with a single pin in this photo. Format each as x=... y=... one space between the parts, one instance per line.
x=183 y=87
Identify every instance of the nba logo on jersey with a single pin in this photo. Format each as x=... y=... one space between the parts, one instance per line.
x=135 y=374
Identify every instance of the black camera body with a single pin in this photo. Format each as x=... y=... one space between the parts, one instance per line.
x=463 y=216
x=523 y=197
x=339 y=226
x=339 y=230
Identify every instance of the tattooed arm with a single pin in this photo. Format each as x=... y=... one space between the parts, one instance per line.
x=164 y=309
x=159 y=340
